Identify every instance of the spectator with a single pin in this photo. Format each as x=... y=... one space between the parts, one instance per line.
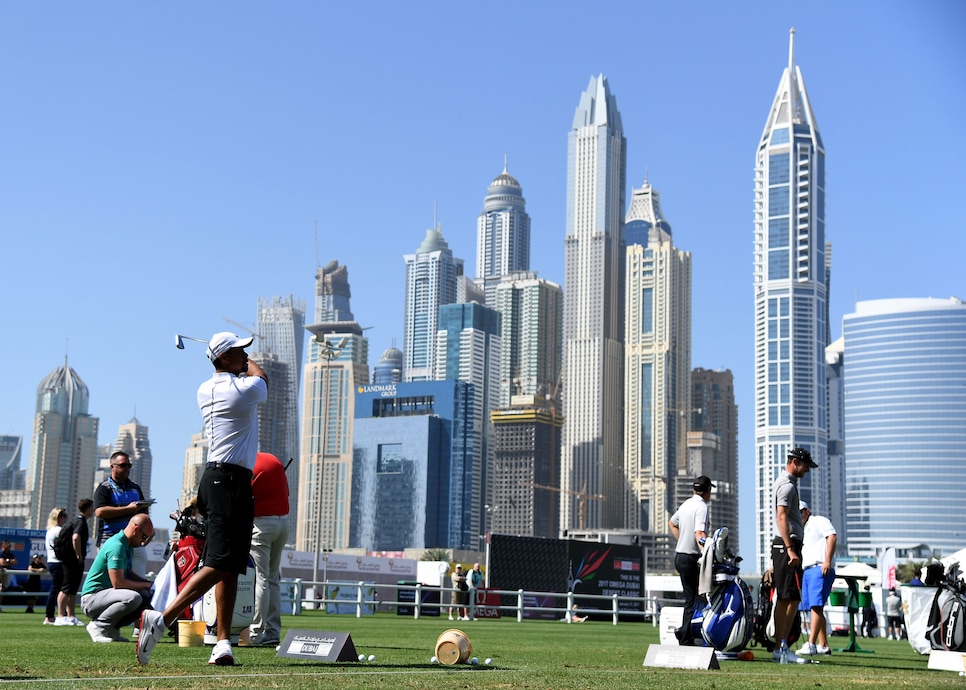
x=116 y=500
x=113 y=595
x=476 y=581
x=37 y=566
x=55 y=600
x=7 y=560
x=270 y=489
x=818 y=550
x=73 y=561
x=460 y=594
x=870 y=619
x=893 y=607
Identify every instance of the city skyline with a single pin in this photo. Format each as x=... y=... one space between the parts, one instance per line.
x=136 y=182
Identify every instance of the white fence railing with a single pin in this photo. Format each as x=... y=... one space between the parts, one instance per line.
x=615 y=606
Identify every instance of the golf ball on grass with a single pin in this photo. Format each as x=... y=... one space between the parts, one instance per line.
x=488 y=661
x=372 y=657
x=433 y=660
x=474 y=661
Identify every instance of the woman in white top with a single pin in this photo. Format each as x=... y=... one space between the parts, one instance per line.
x=56 y=520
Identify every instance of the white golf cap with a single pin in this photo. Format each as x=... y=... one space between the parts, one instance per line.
x=221 y=343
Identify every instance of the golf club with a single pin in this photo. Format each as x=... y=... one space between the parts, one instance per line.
x=179 y=341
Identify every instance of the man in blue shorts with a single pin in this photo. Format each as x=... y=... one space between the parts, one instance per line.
x=229 y=404
x=818 y=550
x=786 y=549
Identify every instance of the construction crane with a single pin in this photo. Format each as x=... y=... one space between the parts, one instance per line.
x=250 y=331
x=582 y=498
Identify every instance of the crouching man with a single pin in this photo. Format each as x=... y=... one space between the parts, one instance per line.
x=114 y=596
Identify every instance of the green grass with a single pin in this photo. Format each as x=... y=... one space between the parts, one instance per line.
x=533 y=654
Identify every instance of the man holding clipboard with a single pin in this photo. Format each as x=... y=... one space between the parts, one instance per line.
x=116 y=500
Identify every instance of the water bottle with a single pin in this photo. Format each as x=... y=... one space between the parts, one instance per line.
x=783 y=654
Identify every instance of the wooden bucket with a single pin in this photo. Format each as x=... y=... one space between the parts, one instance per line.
x=453 y=647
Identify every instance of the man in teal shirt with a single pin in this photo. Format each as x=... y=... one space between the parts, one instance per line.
x=113 y=596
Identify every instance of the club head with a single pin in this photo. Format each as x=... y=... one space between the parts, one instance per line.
x=178 y=342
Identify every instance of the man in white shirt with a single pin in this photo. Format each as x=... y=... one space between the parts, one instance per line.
x=690 y=527
x=818 y=550
x=228 y=402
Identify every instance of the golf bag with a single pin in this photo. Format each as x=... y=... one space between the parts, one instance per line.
x=726 y=621
x=946 y=627
x=764 y=620
x=186 y=551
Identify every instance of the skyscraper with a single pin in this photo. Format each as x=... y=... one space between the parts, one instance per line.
x=790 y=287
x=713 y=411
x=64 y=451
x=337 y=363
x=12 y=478
x=431 y=282
x=132 y=438
x=905 y=425
x=468 y=349
x=195 y=459
x=593 y=385
x=503 y=235
x=525 y=496
x=657 y=355
x=531 y=336
x=281 y=333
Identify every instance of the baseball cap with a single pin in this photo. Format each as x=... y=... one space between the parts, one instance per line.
x=802 y=505
x=803 y=455
x=703 y=483
x=221 y=343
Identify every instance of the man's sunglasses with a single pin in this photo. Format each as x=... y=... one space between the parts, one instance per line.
x=123 y=464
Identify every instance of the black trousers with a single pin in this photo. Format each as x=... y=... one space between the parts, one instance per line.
x=689 y=570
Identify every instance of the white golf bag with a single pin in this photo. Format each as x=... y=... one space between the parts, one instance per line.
x=727 y=621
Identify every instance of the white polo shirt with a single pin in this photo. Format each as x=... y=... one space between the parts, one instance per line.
x=229 y=407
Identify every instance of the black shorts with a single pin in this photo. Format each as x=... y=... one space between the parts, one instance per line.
x=72 y=576
x=786 y=580
x=225 y=501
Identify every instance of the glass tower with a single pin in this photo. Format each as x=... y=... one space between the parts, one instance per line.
x=132 y=438
x=593 y=385
x=790 y=288
x=431 y=281
x=905 y=425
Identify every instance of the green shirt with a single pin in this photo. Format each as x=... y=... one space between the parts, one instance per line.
x=115 y=554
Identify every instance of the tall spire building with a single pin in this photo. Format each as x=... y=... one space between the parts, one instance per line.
x=593 y=385
x=657 y=351
x=63 y=456
x=432 y=275
x=791 y=296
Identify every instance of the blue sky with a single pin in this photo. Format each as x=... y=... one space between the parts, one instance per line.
x=164 y=165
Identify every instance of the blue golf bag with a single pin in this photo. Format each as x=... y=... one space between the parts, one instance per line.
x=727 y=621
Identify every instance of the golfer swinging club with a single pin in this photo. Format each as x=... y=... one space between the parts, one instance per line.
x=228 y=402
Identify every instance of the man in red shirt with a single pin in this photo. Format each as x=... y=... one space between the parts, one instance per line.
x=270 y=488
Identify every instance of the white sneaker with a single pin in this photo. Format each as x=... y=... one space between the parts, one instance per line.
x=823 y=650
x=73 y=621
x=62 y=621
x=222 y=655
x=152 y=629
x=96 y=634
x=451 y=616
x=807 y=649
